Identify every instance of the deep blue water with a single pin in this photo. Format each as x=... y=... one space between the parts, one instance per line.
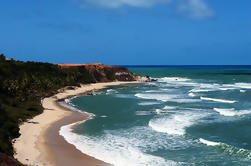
x=192 y=116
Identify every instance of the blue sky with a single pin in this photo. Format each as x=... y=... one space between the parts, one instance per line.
x=127 y=32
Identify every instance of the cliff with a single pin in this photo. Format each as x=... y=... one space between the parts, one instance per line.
x=104 y=73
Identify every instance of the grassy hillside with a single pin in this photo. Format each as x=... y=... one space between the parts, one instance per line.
x=23 y=84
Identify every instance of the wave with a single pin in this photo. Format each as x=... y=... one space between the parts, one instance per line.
x=191 y=95
x=174 y=124
x=242 y=91
x=185 y=100
x=68 y=105
x=218 y=100
x=238 y=86
x=213 y=87
x=205 y=88
x=243 y=85
x=152 y=91
x=231 y=150
x=173 y=79
x=227 y=89
x=232 y=112
x=209 y=143
x=148 y=103
x=160 y=111
x=161 y=97
x=165 y=98
x=111 y=91
x=176 y=82
x=112 y=149
x=169 y=107
x=200 y=90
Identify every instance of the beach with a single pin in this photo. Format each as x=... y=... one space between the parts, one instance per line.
x=40 y=143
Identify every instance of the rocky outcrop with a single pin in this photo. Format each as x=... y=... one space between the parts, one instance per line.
x=105 y=73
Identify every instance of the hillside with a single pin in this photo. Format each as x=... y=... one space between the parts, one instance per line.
x=107 y=72
x=23 y=84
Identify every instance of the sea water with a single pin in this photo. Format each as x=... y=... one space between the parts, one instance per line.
x=192 y=116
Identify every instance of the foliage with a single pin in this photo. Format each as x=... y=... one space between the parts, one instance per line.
x=110 y=74
x=23 y=84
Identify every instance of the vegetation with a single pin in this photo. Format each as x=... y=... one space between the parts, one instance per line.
x=110 y=74
x=23 y=84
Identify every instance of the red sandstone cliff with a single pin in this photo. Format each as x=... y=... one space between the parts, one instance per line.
x=106 y=72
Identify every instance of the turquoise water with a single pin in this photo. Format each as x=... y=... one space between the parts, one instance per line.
x=192 y=116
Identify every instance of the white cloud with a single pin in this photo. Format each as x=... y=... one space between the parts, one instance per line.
x=195 y=9
x=121 y=3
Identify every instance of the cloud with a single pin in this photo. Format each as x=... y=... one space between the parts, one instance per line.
x=120 y=3
x=195 y=9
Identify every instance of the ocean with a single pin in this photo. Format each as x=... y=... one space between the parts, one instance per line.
x=192 y=116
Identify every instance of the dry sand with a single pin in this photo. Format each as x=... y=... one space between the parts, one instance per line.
x=40 y=143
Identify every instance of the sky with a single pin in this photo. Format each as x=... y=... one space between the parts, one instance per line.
x=127 y=32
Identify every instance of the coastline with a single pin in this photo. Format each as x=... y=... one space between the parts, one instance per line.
x=40 y=143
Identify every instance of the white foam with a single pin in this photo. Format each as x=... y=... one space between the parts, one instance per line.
x=227 y=89
x=103 y=116
x=112 y=149
x=148 y=103
x=218 y=100
x=213 y=87
x=176 y=82
x=209 y=143
x=110 y=91
x=173 y=79
x=191 y=95
x=232 y=112
x=185 y=100
x=199 y=90
x=160 y=111
x=242 y=91
x=174 y=124
x=165 y=98
x=153 y=91
x=169 y=107
x=67 y=101
x=238 y=85
x=161 y=97
x=243 y=85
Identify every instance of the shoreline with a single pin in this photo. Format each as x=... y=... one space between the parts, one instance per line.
x=40 y=143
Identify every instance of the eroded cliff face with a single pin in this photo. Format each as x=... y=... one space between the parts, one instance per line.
x=105 y=73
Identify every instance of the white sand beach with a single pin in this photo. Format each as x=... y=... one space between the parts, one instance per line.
x=33 y=147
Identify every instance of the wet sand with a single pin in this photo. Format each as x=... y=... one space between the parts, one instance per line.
x=65 y=154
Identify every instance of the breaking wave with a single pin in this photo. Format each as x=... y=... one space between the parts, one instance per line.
x=231 y=150
x=165 y=98
x=218 y=100
x=232 y=112
x=174 y=124
x=112 y=149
